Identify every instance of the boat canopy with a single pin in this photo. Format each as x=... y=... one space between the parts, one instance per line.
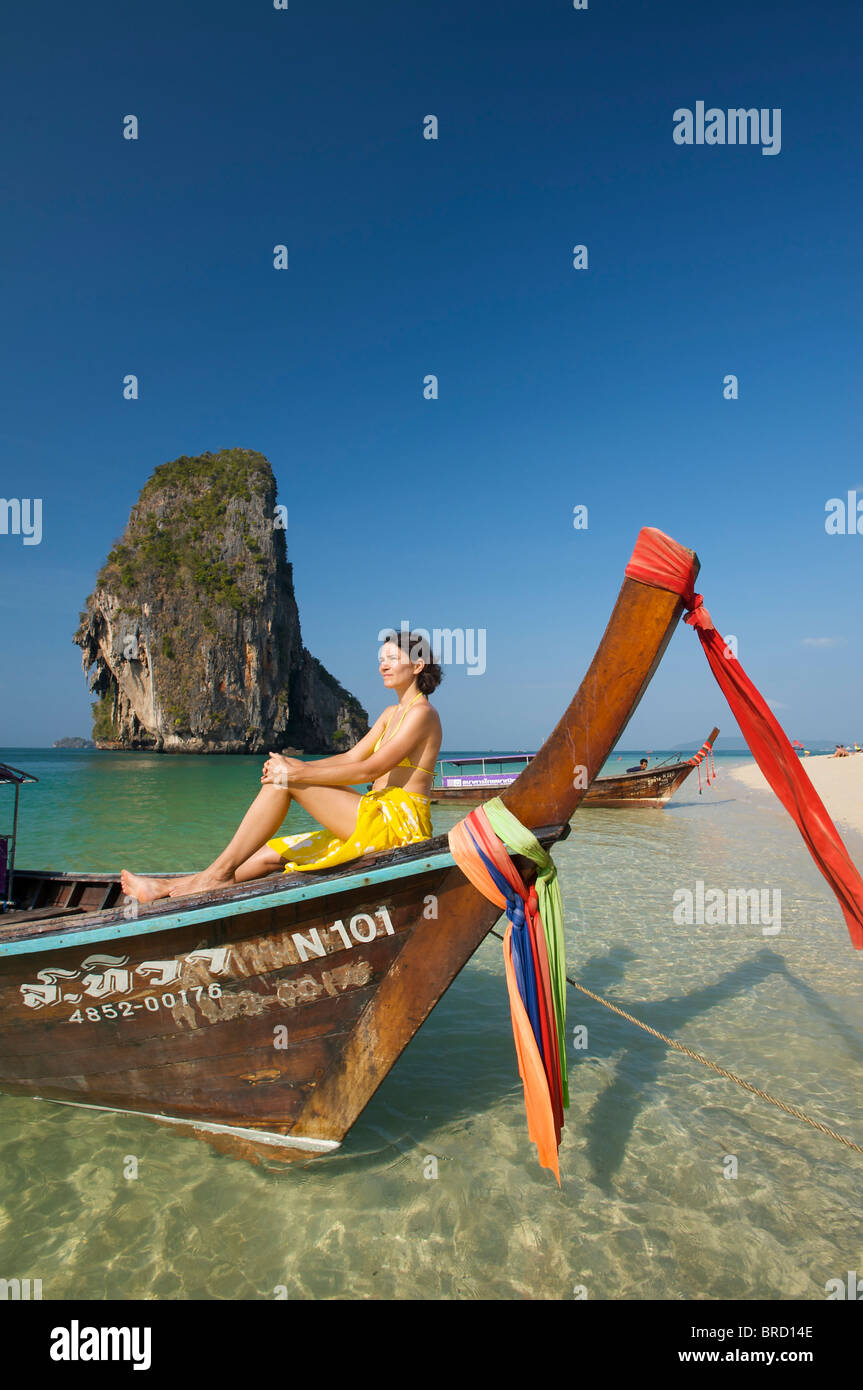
x=14 y=774
x=482 y=777
x=489 y=758
x=15 y=777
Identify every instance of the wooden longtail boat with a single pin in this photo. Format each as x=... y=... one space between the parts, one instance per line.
x=630 y=790
x=264 y=1016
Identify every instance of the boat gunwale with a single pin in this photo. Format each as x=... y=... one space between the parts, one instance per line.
x=235 y=901
x=663 y=772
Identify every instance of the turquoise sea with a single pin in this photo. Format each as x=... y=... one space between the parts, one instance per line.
x=650 y=1206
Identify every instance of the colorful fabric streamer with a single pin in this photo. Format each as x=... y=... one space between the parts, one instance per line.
x=660 y=561
x=534 y=960
x=705 y=751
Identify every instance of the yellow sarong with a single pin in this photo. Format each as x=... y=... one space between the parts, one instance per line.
x=385 y=820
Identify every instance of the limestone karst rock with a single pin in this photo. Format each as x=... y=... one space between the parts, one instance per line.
x=192 y=634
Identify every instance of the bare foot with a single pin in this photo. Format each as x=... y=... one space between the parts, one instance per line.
x=204 y=882
x=146 y=890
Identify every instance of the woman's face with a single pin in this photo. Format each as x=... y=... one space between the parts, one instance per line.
x=395 y=665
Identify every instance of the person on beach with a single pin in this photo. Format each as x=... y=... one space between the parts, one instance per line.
x=398 y=760
x=841 y=751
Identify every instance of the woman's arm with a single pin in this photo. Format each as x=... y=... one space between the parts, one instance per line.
x=332 y=764
x=347 y=769
x=360 y=750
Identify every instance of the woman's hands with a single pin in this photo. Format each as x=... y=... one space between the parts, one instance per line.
x=280 y=771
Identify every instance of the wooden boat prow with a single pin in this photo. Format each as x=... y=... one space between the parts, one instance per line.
x=175 y=1014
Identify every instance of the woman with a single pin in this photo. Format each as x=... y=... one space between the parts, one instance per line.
x=398 y=755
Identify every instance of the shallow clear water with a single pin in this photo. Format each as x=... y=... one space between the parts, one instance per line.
x=644 y=1210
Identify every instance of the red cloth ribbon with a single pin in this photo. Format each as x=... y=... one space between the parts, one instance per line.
x=660 y=561
x=705 y=751
x=698 y=615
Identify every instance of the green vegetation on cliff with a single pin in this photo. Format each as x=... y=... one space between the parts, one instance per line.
x=158 y=550
x=229 y=473
x=104 y=728
x=335 y=686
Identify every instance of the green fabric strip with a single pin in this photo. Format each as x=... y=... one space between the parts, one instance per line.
x=519 y=840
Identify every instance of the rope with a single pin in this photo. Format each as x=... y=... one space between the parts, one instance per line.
x=791 y=1110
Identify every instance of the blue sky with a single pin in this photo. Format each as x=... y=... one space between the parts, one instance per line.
x=453 y=257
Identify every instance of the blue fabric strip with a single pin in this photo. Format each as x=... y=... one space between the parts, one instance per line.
x=522 y=955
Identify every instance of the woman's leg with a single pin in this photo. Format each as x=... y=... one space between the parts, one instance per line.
x=260 y=822
x=247 y=856
x=258 y=825
x=337 y=814
x=260 y=864
x=335 y=808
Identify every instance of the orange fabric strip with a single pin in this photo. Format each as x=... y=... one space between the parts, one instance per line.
x=537 y=1102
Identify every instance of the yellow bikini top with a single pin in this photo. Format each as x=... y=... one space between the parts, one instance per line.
x=404 y=762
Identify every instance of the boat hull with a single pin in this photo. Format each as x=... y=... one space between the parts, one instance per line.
x=639 y=790
x=229 y=1023
x=225 y=1025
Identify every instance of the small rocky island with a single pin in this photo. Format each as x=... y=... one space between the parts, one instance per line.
x=74 y=743
x=191 y=637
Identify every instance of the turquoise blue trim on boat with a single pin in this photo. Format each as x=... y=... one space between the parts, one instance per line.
x=146 y=926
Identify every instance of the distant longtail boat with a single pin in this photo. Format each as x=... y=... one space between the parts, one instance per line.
x=653 y=788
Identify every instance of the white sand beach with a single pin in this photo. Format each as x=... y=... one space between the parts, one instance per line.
x=838 y=781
